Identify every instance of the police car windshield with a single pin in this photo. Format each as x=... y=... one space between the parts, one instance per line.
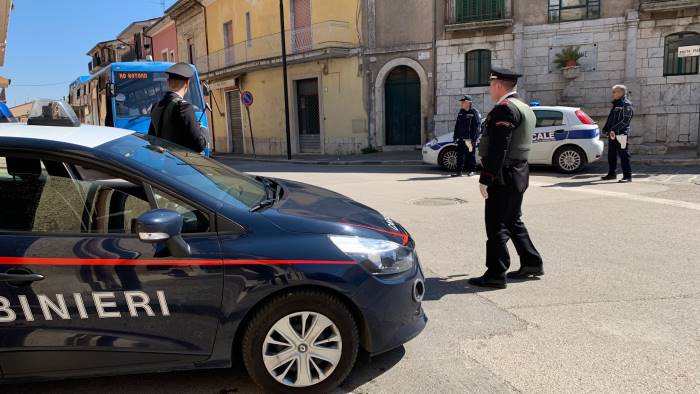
x=136 y=92
x=190 y=169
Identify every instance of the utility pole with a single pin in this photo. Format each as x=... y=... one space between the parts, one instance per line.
x=284 y=81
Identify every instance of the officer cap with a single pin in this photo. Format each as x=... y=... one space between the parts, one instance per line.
x=504 y=74
x=180 y=71
x=466 y=97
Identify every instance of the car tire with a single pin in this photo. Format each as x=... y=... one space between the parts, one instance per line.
x=569 y=159
x=266 y=337
x=447 y=159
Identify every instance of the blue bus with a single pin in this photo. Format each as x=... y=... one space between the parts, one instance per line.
x=122 y=95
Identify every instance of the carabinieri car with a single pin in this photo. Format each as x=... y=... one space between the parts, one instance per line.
x=122 y=253
x=564 y=137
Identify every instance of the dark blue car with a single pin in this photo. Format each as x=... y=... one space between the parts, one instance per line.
x=121 y=253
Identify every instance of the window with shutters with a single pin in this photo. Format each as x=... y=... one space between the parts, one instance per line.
x=573 y=10
x=477 y=68
x=479 y=10
x=674 y=65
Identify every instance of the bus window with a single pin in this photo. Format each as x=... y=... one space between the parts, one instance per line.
x=137 y=92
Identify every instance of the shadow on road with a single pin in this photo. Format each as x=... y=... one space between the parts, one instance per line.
x=367 y=369
x=436 y=287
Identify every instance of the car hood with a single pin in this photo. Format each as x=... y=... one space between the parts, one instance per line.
x=310 y=209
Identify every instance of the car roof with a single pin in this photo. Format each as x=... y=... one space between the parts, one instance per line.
x=554 y=108
x=86 y=135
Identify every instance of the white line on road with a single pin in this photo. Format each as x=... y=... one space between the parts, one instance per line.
x=626 y=196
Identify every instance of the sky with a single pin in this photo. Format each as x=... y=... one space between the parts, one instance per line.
x=47 y=41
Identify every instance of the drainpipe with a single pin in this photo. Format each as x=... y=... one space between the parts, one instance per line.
x=206 y=44
x=435 y=26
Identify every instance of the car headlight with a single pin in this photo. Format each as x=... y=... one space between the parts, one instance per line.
x=379 y=257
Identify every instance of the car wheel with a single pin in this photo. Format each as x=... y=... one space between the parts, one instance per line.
x=569 y=159
x=448 y=158
x=301 y=342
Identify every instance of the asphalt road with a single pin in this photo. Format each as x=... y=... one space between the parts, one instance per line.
x=617 y=311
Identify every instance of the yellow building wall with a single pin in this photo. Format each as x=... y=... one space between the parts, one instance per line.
x=342 y=107
x=342 y=114
x=265 y=20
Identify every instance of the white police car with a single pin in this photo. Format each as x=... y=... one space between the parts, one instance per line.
x=565 y=137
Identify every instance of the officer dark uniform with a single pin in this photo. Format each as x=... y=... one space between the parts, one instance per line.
x=618 y=122
x=174 y=119
x=504 y=149
x=466 y=129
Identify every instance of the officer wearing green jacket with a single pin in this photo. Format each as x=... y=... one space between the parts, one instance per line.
x=504 y=149
x=173 y=118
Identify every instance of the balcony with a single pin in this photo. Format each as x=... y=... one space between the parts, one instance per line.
x=668 y=5
x=477 y=14
x=318 y=40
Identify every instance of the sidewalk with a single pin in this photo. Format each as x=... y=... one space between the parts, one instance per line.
x=379 y=158
x=415 y=158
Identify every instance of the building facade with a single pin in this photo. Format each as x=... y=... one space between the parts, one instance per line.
x=163 y=39
x=633 y=42
x=326 y=90
x=190 y=26
x=399 y=69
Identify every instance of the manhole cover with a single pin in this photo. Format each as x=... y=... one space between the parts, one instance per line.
x=438 y=201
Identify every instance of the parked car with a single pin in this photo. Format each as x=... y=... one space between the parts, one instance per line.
x=564 y=137
x=122 y=253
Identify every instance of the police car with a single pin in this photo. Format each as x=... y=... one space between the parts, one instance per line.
x=564 y=137
x=121 y=253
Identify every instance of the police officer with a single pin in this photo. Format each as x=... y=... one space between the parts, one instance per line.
x=617 y=127
x=504 y=149
x=465 y=135
x=173 y=118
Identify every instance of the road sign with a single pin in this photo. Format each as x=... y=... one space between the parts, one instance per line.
x=247 y=98
x=692 y=50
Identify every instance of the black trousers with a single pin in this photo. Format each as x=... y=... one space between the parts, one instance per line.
x=614 y=150
x=503 y=222
x=462 y=154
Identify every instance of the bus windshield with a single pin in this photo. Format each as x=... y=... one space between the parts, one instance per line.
x=136 y=92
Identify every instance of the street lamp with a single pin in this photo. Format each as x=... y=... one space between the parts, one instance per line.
x=284 y=81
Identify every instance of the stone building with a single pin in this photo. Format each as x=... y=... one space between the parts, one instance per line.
x=624 y=41
x=399 y=66
x=190 y=26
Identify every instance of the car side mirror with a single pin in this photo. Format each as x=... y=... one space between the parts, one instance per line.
x=163 y=226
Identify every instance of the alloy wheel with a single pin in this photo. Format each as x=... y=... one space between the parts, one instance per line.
x=570 y=160
x=302 y=349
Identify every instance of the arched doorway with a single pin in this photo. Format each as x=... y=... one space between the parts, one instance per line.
x=402 y=106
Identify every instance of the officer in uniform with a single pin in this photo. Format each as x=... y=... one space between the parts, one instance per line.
x=504 y=149
x=173 y=118
x=465 y=135
x=617 y=127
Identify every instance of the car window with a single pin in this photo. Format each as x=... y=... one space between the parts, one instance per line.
x=189 y=169
x=549 y=118
x=39 y=196
x=193 y=220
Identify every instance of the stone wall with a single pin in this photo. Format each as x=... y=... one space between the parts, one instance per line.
x=625 y=49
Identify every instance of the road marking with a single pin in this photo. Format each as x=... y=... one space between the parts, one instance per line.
x=626 y=196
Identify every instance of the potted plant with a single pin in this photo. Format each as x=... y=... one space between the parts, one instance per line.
x=567 y=61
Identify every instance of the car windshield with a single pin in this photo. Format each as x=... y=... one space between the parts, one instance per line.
x=136 y=92
x=191 y=169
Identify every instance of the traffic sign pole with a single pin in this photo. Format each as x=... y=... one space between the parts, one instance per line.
x=247 y=99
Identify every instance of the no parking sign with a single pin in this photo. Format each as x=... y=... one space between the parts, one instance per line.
x=247 y=98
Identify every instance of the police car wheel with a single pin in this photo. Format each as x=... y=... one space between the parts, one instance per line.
x=569 y=159
x=448 y=158
x=301 y=342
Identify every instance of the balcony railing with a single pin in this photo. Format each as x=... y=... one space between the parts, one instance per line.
x=331 y=34
x=469 y=11
x=668 y=5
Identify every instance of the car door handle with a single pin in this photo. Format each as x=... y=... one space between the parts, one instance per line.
x=4 y=277
x=559 y=131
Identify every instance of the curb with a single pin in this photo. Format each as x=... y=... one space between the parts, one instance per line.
x=326 y=162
